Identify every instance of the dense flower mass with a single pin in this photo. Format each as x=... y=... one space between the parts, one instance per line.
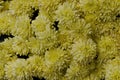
x=59 y=39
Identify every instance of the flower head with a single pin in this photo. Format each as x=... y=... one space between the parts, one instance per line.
x=16 y=70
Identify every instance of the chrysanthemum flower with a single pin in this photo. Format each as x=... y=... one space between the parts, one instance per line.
x=22 y=27
x=65 y=14
x=107 y=48
x=4 y=58
x=6 y=45
x=35 y=66
x=50 y=6
x=20 y=46
x=84 y=51
x=65 y=39
x=23 y=6
x=78 y=71
x=81 y=29
x=16 y=70
x=56 y=61
x=106 y=29
x=34 y=46
x=113 y=69
x=41 y=26
x=6 y=22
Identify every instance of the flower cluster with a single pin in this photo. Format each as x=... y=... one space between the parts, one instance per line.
x=59 y=39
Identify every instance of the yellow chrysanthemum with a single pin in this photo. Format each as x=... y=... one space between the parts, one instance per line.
x=34 y=46
x=65 y=14
x=6 y=22
x=89 y=5
x=65 y=39
x=35 y=66
x=106 y=29
x=98 y=73
x=41 y=26
x=6 y=45
x=37 y=46
x=16 y=70
x=20 y=46
x=78 y=71
x=107 y=48
x=50 y=6
x=56 y=61
x=22 y=27
x=84 y=51
x=23 y=6
x=113 y=69
x=81 y=29
x=4 y=58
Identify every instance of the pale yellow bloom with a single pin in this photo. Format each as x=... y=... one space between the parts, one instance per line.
x=56 y=61
x=35 y=66
x=59 y=39
x=112 y=69
x=22 y=27
x=20 y=46
x=17 y=70
x=107 y=48
x=84 y=51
